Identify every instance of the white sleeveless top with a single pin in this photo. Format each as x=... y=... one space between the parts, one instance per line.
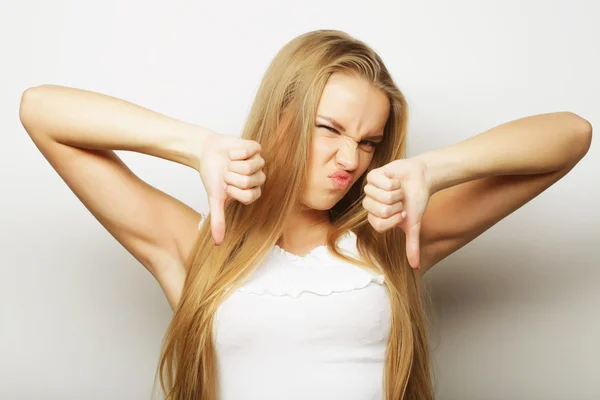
x=304 y=327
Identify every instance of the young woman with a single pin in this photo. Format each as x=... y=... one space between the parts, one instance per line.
x=307 y=286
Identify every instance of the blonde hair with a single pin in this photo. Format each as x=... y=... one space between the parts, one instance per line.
x=281 y=120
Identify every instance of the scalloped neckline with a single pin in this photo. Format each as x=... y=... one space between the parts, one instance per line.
x=311 y=254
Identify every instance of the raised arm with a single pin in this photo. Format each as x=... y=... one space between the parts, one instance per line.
x=77 y=130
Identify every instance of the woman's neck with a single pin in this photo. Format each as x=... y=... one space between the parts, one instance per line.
x=305 y=231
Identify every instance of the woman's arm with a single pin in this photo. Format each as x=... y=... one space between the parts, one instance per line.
x=90 y=120
x=532 y=145
x=480 y=181
x=77 y=131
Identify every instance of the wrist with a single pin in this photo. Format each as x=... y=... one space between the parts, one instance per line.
x=432 y=179
x=188 y=144
x=441 y=169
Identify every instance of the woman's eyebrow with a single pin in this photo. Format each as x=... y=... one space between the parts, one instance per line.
x=339 y=127
x=335 y=124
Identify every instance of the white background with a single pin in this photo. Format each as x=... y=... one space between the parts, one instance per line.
x=518 y=310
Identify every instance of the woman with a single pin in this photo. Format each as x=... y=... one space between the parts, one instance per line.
x=322 y=183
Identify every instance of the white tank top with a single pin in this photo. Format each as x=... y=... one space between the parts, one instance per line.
x=304 y=327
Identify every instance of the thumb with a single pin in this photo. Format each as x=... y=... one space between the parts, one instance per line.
x=216 y=203
x=412 y=245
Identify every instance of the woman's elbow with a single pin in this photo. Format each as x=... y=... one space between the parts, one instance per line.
x=27 y=108
x=581 y=134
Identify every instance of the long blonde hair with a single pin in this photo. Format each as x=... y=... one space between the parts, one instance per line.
x=281 y=120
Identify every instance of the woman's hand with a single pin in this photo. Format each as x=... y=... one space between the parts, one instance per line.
x=397 y=194
x=230 y=168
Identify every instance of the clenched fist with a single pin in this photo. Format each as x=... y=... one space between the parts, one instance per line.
x=397 y=194
x=230 y=169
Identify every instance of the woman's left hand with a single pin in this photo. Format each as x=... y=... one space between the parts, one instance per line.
x=397 y=194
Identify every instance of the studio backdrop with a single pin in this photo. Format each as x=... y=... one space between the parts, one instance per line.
x=517 y=311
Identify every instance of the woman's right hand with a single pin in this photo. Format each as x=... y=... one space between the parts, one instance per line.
x=230 y=169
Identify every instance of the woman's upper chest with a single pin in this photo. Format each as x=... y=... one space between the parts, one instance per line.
x=315 y=299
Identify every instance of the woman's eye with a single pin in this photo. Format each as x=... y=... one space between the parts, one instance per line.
x=370 y=144
x=327 y=127
x=367 y=142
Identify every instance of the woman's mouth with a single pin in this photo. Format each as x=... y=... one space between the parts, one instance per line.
x=340 y=183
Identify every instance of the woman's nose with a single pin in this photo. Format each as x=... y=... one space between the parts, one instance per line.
x=347 y=154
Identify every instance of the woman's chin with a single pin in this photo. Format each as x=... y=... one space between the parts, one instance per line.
x=323 y=204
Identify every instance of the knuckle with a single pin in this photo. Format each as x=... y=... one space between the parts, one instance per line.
x=239 y=153
x=254 y=146
x=375 y=222
x=386 y=211
x=248 y=197
x=243 y=198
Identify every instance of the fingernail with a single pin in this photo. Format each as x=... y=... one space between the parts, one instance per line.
x=403 y=215
x=224 y=186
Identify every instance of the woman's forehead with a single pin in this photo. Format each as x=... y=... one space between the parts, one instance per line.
x=354 y=103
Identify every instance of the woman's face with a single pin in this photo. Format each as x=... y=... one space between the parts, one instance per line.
x=349 y=125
